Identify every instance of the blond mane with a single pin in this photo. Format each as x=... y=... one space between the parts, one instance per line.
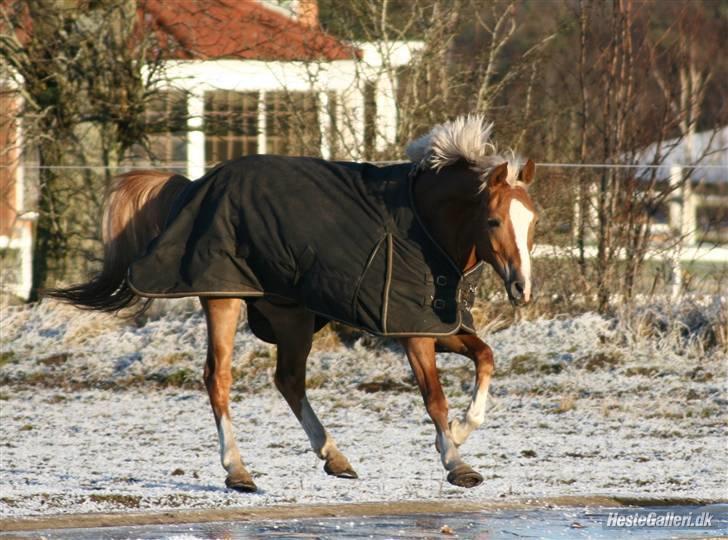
x=468 y=138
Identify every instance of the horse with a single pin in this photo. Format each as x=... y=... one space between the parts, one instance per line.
x=473 y=203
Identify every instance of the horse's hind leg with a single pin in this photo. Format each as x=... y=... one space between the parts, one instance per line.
x=482 y=356
x=294 y=328
x=222 y=321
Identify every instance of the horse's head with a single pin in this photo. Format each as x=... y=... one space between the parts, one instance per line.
x=468 y=191
x=509 y=219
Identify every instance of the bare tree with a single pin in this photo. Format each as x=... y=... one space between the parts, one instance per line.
x=445 y=76
x=76 y=69
x=639 y=82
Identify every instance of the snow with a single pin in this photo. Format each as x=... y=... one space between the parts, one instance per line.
x=97 y=414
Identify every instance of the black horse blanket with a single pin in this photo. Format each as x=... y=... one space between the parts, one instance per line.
x=343 y=239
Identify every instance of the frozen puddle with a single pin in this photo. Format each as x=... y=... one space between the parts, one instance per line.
x=556 y=523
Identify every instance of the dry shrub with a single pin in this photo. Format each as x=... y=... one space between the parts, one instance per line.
x=720 y=328
x=697 y=325
x=327 y=339
x=567 y=403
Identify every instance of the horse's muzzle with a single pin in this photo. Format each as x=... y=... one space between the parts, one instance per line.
x=517 y=294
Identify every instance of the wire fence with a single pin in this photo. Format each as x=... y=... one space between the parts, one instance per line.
x=544 y=164
x=675 y=256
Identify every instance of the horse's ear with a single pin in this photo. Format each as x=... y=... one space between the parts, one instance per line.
x=499 y=175
x=527 y=172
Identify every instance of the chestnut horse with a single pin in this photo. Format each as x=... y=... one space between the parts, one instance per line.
x=475 y=205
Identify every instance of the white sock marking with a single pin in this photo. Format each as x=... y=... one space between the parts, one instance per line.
x=229 y=453
x=474 y=417
x=449 y=454
x=321 y=443
x=476 y=412
x=521 y=218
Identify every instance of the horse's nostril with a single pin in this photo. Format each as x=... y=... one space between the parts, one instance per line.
x=517 y=289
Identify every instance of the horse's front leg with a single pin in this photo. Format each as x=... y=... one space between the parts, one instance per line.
x=222 y=321
x=482 y=356
x=293 y=327
x=421 y=355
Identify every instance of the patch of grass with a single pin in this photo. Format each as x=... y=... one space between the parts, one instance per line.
x=522 y=364
x=127 y=501
x=177 y=378
x=174 y=358
x=600 y=360
x=384 y=385
x=6 y=357
x=265 y=352
x=643 y=371
x=609 y=407
x=692 y=395
x=580 y=455
x=54 y=360
x=316 y=380
x=552 y=368
x=700 y=374
x=255 y=364
x=566 y=404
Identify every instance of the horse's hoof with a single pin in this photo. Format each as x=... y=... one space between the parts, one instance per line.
x=241 y=484
x=346 y=472
x=464 y=476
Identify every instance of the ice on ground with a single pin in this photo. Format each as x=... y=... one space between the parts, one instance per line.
x=98 y=415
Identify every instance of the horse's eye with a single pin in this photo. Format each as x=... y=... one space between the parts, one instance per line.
x=493 y=223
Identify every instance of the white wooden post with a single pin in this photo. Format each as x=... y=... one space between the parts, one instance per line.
x=262 y=124
x=324 y=119
x=677 y=226
x=195 y=135
x=386 y=116
x=26 y=254
x=689 y=218
x=350 y=119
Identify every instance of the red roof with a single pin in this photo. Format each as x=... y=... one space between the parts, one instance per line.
x=207 y=29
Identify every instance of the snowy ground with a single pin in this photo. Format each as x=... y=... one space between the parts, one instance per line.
x=97 y=415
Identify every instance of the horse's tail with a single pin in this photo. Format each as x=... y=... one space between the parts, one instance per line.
x=135 y=210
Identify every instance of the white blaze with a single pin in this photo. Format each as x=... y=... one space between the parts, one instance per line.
x=521 y=218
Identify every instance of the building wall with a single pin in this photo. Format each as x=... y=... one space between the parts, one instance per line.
x=8 y=164
x=339 y=87
x=16 y=227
